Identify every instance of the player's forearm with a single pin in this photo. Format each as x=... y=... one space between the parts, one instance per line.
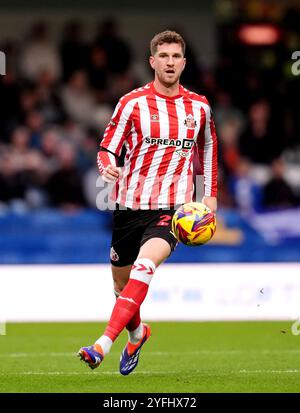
x=105 y=158
x=208 y=157
x=107 y=166
x=211 y=175
x=210 y=161
x=209 y=168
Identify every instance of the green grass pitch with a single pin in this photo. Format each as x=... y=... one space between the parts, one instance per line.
x=179 y=357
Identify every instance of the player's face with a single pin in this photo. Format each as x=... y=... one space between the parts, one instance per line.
x=168 y=63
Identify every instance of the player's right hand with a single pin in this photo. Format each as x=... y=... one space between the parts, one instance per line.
x=111 y=174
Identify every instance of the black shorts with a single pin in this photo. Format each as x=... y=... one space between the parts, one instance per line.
x=132 y=228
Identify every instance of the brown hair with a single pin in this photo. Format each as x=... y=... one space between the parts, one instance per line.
x=168 y=36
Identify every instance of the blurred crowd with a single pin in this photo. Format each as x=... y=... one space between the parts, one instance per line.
x=56 y=100
x=58 y=96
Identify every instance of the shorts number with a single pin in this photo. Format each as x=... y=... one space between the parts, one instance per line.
x=164 y=221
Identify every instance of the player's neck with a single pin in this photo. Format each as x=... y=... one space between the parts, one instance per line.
x=169 y=91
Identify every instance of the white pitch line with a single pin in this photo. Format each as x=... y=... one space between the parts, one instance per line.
x=160 y=353
x=21 y=355
x=77 y=373
x=146 y=373
x=269 y=371
x=221 y=352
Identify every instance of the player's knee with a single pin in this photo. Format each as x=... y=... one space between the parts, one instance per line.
x=155 y=249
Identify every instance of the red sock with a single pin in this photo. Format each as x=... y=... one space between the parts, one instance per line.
x=131 y=298
x=136 y=319
x=134 y=322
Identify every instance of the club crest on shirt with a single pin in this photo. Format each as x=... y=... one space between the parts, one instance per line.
x=190 y=122
x=154 y=118
x=113 y=255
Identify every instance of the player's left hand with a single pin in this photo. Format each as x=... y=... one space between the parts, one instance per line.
x=111 y=174
x=210 y=202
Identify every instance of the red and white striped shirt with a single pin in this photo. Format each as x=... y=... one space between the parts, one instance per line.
x=160 y=134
